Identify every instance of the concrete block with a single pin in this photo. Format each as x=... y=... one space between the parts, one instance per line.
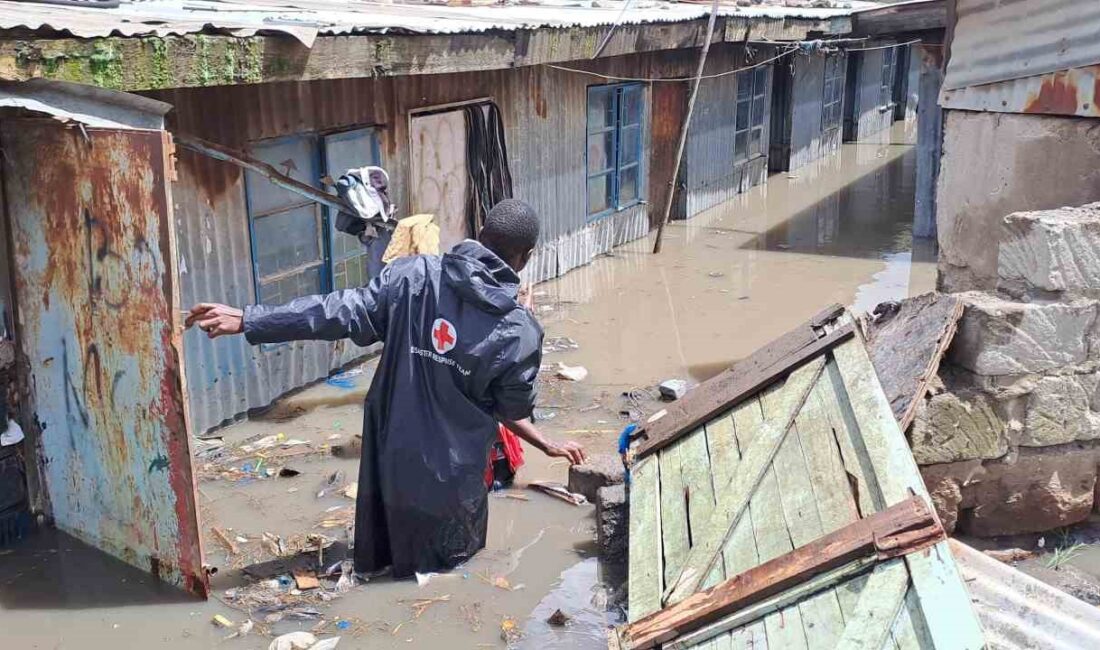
x=1036 y=490
x=1051 y=251
x=1000 y=337
x=601 y=470
x=1061 y=410
x=951 y=427
x=672 y=389
x=612 y=524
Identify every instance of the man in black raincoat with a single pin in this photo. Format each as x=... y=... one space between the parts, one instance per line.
x=460 y=354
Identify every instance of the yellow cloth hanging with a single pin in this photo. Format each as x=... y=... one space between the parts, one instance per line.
x=415 y=235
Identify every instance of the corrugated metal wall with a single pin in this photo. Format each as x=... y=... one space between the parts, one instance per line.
x=807 y=143
x=874 y=117
x=711 y=174
x=544 y=117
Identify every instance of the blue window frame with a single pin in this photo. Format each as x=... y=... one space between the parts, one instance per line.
x=296 y=250
x=614 y=147
x=751 y=113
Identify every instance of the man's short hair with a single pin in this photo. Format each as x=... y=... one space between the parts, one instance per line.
x=511 y=229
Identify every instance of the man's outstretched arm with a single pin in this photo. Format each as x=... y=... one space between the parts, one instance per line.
x=358 y=314
x=527 y=431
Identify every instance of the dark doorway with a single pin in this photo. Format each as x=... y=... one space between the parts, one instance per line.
x=851 y=97
x=779 y=143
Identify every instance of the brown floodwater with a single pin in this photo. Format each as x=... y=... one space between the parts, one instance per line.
x=727 y=282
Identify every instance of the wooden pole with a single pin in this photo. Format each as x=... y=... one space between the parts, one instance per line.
x=687 y=123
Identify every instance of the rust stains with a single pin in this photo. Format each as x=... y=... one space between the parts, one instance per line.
x=1057 y=94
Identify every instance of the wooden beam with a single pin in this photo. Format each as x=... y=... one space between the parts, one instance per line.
x=900 y=529
x=732 y=386
x=241 y=159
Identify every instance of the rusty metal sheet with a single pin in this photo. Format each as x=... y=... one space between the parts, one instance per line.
x=999 y=41
x=99 y=322
x=1065 y=92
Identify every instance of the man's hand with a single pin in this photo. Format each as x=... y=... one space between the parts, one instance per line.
x=568 y=449
x=216 y=320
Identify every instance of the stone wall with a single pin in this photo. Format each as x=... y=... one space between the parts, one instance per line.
x=997 y=163
x=1010 y=442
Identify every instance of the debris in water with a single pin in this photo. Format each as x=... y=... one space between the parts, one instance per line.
x=656 y=416
x=352 y=449
x=206 y=446
x=673 y=389
x=242 y=630
x=293 y=641
x=558 y=344
x=509 y=630
x=223 y=537
x=331 y=481
x=423 y=579
x=540 y=415
x=347 y=579
x=223 y=621
x=1010 y=555
x=716 y=274
x=572 y=373
x=351 y=491
x=287 y=472
x=306 y=580
x=325 y=644
x=472 y=614
x=421 y=605
x=518 y=496
x=558 y=618
x=345 y=380
x=558 y=491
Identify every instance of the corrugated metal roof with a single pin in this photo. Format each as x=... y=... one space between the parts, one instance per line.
x=305 y=19
x=1002 y=40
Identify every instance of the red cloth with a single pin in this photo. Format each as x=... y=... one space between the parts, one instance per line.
x=509 y=447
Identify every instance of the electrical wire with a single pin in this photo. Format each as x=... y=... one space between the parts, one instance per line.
x=656 y=79
x=880 y=47
x=610 y=32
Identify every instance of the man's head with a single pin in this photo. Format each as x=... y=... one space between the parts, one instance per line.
x=511 y=231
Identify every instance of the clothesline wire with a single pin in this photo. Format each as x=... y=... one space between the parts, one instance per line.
x=881 y=47
x=692 y=78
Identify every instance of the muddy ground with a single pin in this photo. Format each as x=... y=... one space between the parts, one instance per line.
x=727 y=282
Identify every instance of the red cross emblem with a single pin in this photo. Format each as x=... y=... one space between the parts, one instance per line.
x=444 y=335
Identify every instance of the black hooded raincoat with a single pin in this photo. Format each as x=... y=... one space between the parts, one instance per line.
x=460 y=353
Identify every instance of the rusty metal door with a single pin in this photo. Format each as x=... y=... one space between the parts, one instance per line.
x=99 y=322
x=440 y=178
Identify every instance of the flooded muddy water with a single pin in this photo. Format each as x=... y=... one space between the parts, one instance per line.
x=727 y=282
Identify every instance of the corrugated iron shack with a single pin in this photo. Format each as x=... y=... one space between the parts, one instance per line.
x=127 y=208
x=1021 y=95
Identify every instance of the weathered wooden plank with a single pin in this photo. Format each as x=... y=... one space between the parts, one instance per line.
x=724 y=459
x=739 y=554
x=827 y=475
x=906 y=343
x=727 y=389
x=695 y=470
x=945 y=605
x=745 y=620
x=900 y=529
x=879 y=604
x=757 y=459
x=857 y=464
x=674 y=515
x=819 y=614
x=910 y=632
x=645 y=580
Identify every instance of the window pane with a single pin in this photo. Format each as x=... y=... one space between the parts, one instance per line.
x=741 y=145
x=294 y=286
x=601 y=108
x=758 y=111
x=600 y=151
x=350 y=273
x=293 y=157
x=286 y=240
x=761 y=80
x=754 y=141
x=742 y=120
x=631 y=147
x=344 y=151
x=632 y=104
x=628 y=185
x=744 y=84
x=599 y=193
